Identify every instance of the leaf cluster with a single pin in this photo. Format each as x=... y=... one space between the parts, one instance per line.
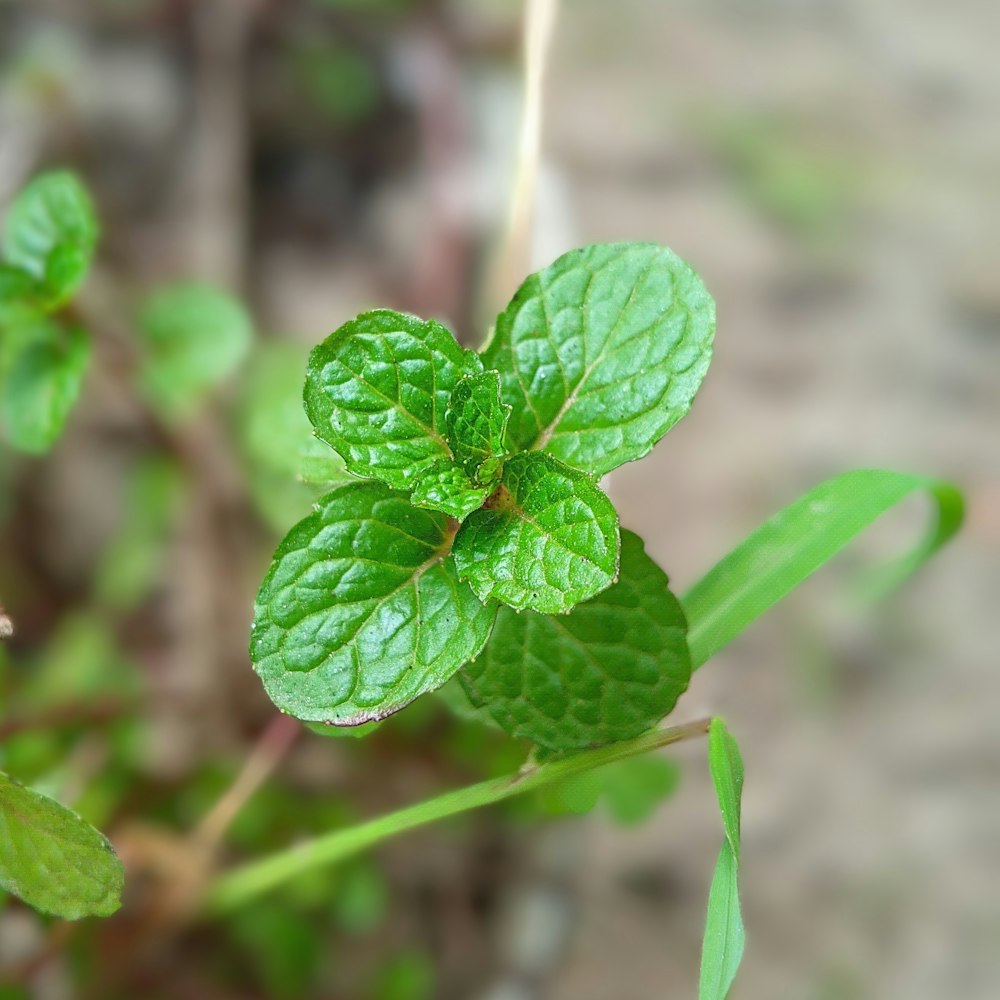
x=478 y=541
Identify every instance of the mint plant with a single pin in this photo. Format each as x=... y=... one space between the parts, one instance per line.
x=49 y=856
x=476 y=544
x=49 y=237
x=188 y=338
x=461 y=543
x=481 y=500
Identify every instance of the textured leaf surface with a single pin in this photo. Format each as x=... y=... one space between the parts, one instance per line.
x=546 y=540
x=52 y=859
x=361 y=611
x=41 y=370
x=794 y=543
x=444 y=486
x=477 y=422
x=607 y=671
x=722 y=950
x=377 y=391
x=602 y=352
x=50 y=232
x=193 y=337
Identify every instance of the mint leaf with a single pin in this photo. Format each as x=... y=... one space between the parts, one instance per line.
x=607 y=671
x=275 y=431
x=722 y=950
x=42 y=367
x=50 y=232
x=52 y=859
x=287 y=468
x=444 y=486
x=602 y=352
x=361 y=611
x=477 y=422
x=18 y=295
x=546 y=539
x=377 y=390
x=631 y=789
x=192 y=336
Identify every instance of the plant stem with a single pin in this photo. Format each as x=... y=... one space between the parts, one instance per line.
x=272 y=746
x=235 y=888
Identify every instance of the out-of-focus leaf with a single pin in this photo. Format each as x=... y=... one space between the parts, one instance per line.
x=287 y=467
x=42 y=367
x=408 y=975
x=134 y=561
x=50 y=232
x=52 y=859
x=361 y=899
x=285 y=947
x=18 y=296
x=192 y=337
x=630 y=789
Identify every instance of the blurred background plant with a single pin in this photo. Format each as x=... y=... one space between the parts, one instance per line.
x=270 y=169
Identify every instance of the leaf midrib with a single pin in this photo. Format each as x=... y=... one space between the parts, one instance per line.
x=546 y=435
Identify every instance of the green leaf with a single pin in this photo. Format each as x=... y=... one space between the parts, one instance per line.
x=546 y=539
x=635 y=787
x=726 y=765
x=631 y=789
x=477 y=422
x=407 y=975
x=722 y=950
x=287 y=468
x=607 y=671
x=444 y=486
x=50 y=232
x=361 y=611
x=42 y=367
x=193 y=336
x=377 y=390
x=134 y=561
x=52 y=859
x=794 y=543
x=18 y=295
x=284 y=947
x=602 y=352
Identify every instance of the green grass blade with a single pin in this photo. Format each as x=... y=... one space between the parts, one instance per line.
x=794 y=543
x=726 y=766
x=722 y=950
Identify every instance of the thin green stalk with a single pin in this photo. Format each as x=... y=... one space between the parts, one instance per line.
x=233 y=889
